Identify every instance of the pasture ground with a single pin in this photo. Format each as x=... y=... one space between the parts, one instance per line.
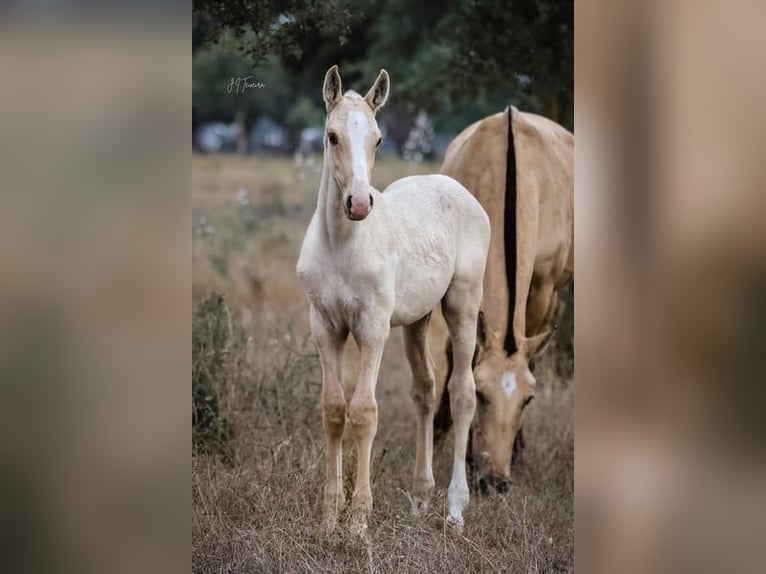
x=256 y=508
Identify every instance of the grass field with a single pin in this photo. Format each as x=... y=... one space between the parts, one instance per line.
x=255 y=507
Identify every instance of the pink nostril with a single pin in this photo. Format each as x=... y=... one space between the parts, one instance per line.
x=359 y=205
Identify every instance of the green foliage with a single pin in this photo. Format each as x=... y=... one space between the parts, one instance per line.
x=211 y=340
x=304 y=113
x=279 y=28
x=484 y=52
x=213 y=68
x=459 y=60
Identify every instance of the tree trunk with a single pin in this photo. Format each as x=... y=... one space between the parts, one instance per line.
x=240 y=117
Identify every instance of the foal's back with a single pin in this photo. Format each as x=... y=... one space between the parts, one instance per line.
x=442 y=235
x=427 y=208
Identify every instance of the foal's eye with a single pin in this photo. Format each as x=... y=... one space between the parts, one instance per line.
x=481 y=397
x=333 y=137
x=379 y=142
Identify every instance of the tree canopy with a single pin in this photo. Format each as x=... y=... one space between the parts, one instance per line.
x=456 y=59
x=274 y=28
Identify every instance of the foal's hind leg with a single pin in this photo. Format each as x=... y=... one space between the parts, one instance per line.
x=461 y=308
x=423 y=393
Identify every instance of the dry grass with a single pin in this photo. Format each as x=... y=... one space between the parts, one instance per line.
x=258 y=512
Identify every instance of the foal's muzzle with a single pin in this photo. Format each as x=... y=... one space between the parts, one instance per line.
x=358 y=206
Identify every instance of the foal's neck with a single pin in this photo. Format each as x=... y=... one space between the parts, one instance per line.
x=336 y=227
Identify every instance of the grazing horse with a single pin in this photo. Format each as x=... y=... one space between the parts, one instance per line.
x=520 y=167
x=371 y=261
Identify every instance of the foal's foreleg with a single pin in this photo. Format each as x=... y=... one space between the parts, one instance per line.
x=331 y=345
x=461 y=308
x=423 y=393
x=363 y=415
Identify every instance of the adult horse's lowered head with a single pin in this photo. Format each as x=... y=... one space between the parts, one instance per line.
x=371 y=261
x=520 y=167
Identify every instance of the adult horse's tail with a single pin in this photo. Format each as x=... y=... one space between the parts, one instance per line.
x=442 y=419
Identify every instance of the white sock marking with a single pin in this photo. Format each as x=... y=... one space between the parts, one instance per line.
x=457 y=494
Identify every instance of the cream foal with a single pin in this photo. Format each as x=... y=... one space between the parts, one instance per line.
x=371 y=261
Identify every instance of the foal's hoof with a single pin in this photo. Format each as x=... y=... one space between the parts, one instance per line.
x=329 y=525
x=421 y=496
x=361 y=508
x=456 y=521
x=418 y=506
x=357 y=528
x=334 y=504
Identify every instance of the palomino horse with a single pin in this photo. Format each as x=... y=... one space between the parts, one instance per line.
x=371 y=261
x=520 y=167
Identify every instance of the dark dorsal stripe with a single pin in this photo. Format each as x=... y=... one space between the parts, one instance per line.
x=509 y=231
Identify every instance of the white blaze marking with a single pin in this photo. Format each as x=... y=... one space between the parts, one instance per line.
x=508 y=383
x=357 y=128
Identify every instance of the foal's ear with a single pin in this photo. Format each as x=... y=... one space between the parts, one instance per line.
x=332 y=89
x=378 y=93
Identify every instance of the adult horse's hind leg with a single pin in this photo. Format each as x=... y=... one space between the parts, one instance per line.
x=423 y=393
x=442 y=419
x=541 y=304
x=461 y=308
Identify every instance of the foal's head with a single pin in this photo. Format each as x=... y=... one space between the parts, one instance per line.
x=351 y=139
